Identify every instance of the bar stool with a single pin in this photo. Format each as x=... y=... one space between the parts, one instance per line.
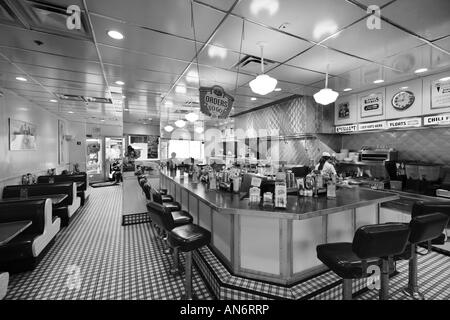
x=166 y=201
x=372 y=245
x=167 y=220
x=424 y=228
x=421 y=208
x=186 y=239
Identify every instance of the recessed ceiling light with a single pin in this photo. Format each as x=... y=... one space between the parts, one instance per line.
x=199 y=130
x=253 y=98
x=102 y=120
x=21 y=79
x=150 y=119
x=120 y=83
x=277 y=89
x=180 y=89
x=123 y=97
x=169 y=104
x=421 y=70
x=379 y=81
x=348 y=89
x=126 y=109
x=445 y=79
x=115 y=34
x=192 y=117
x=70 y=112
x=180 y=123
x=403 y=88
x=168 y=128
x=53 y=100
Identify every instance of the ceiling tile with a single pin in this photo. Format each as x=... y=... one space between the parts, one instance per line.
x=374 y=44
x=295 y=75
x=430 y=19
x=172 y=16
x=310 y=19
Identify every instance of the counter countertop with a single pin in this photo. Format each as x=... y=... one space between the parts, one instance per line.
x=406 y=201
x=297 y=208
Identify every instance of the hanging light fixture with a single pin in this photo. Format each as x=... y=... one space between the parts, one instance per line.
x=263 y=84
x=199 y=129
x=192 y=117
x=180 y=123
x=326 y=95
x=168 y=128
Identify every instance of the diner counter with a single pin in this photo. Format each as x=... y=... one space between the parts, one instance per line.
x=271 y=244
x=297 y=208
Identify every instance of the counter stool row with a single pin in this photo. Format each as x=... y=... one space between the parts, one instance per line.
x=176 y=228
x=381 y=245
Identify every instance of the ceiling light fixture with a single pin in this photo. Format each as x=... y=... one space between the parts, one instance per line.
x=120 y=82
x=199 y=130
x=70 y=112
x=326 y=95
x=277 y=89
x=169 y=104
x=53 y=100
x=192 y=117
x=102 y=120
x=168 y=128
x=403 y=88
x=378 y=81
x=421 y=70
x=180 y=123
x=348 y=89
x=253 y=99
x=444 y=79
x=21 y=79
x=192 y=76
x=115 y=34
x=263 y=84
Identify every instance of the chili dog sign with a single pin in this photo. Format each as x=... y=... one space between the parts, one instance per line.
x=443 y=119
x=215 y=102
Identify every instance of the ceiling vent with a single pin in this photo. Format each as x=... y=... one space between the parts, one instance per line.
x=98 y=100
x=253 y=64
x=51 y=17
x=180 y=111
x=71 y=97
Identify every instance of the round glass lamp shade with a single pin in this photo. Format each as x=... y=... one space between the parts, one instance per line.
x=168 y=128
x=326 y=96
x=180 y=123
x=192 y=117
x=263 y=84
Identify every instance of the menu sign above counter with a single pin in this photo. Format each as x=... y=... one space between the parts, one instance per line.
x=372 y=126
x=349 y=128
x=404 y=123
x=442 y=119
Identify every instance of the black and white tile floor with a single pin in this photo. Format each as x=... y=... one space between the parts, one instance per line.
x=98 y=258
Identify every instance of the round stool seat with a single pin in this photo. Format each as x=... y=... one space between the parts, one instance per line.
x=172 y=206
x=189 y=237
x=341 y=259
x=166 y=198
x=181 y=218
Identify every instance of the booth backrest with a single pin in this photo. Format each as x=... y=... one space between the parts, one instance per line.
x=43 y=189
x=33 y=210
x=79 y=177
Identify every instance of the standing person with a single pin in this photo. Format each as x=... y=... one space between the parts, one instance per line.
x=325 y=166
x=173 y=161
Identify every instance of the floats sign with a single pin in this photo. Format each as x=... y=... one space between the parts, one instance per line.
x=404 y=123
x=215 y=102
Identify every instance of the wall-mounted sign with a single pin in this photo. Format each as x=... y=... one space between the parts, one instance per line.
x=403 y=100
x=215 y=102
x=343 y=110
x=372 y=126
x=404 y=123
x=440 y=94
x=437 y=120
x=372 y=105
x=349 y=128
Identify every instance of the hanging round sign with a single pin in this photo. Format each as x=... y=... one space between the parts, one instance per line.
x=403 y=100
x=215 y=102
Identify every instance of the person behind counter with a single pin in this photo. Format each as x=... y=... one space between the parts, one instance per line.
x=325 y=166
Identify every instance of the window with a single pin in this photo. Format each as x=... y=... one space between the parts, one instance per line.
x=186 y=149
x=147 y=146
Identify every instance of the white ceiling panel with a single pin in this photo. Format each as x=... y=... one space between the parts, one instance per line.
x=295 y=75
x=220 y=4
x=146 y=41
x=373 y=44
x=311 y=19
x=430 y=18
x=229 y=36
x=126 y=58
x=24 y=39
x=318 y=57
x=129 y=75
x=172 y=16
x=52 y=73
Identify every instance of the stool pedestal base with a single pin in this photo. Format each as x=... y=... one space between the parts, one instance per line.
x=413 y=293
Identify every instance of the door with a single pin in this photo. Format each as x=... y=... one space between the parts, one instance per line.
x=113 y=156
x=94 y=159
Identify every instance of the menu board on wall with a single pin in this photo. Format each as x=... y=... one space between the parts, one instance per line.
x=372 y=105
x=372 y=126
x=349 y=128
x=440 y=94
x=443 y=119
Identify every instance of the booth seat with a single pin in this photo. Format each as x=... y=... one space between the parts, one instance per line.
x=83 y=191
x=24 y=251
x=65 y=210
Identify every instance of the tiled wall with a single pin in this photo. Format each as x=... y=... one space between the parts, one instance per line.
x=431 y=145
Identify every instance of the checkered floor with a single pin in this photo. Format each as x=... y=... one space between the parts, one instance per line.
x=97 y=258
x=112 y=262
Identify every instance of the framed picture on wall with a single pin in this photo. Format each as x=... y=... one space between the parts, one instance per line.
x=440 y=94
x=22 y=135
x=372 y=105
x=61 y=141
x=344 y=110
